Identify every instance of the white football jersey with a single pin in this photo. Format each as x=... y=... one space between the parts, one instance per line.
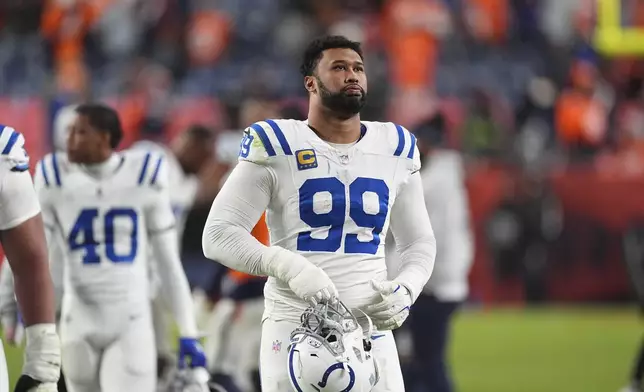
x=103 y=223
x=183 y=187
x=18 y=201
x=332 y=203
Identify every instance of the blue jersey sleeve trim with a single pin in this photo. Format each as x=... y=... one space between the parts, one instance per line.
x=155 y=174
x=43 y=169
x=280 y=137
x=144 y=169
x=22 y=167
x=413 y=146
x=12 y=141
x=401 y=141
x=54 y=165
x=264 y=138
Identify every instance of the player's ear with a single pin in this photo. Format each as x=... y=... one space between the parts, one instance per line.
x=309 y=84
x=106 y=138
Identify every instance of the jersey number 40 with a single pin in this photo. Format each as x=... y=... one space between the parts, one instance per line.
x=335 y=218
x=82 y=235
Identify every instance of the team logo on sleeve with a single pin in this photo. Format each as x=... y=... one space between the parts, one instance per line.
x=306 y=159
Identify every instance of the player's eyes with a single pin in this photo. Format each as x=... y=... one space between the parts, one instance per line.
x=340 y=67
x=358 y=69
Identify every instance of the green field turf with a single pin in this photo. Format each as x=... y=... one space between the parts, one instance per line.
x=549 y=350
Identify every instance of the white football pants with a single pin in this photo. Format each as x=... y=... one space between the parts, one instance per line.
x=107 y=349
x=274 y=350
x=4 y=374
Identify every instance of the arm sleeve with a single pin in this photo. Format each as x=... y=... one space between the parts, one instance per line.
x=236 y=210
x=162 y=236
x=18 y=200
x=414 y=236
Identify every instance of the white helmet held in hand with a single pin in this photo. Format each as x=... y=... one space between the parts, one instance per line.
x=331 y=351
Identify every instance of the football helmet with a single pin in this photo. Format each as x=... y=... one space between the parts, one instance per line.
x=331 y=351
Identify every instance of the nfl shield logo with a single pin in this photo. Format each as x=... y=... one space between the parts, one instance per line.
x=277 y=346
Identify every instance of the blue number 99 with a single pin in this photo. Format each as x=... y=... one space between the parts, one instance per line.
x=336 y=217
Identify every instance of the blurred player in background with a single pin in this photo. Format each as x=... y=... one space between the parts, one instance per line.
x=193 y=179
x=331 y=187
x=23 y=239
x=108 y=208
x=634 y=259
x=637 y=377
x=448 y=208
x=234 y=326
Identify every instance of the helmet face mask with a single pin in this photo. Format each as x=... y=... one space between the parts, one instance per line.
x=326 y=324
x=330 y=349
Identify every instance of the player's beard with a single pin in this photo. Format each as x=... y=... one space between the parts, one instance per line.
x=340 y=103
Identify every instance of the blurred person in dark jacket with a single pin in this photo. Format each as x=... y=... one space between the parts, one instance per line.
x=484 y=132
x=430 y=318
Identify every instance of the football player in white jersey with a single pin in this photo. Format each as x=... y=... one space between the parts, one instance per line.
x=108 y=209
x=11 y=325
x=189 y=161
x=24 y=243
x=332 y=187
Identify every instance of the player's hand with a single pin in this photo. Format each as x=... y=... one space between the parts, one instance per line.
x=313 y=285
x=28 y=384
x=42 y=360
x=392 y=311
x=191 y=354
x=192 y=380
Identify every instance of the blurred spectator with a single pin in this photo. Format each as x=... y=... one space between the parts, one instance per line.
x=484 y=133
x=207 y=37
x=487 y=20
x=581 y=115
x=412 y=30
x=65 y=23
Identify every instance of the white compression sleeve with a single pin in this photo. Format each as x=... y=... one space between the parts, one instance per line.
x=235 y=211
x=414 y=236
x=176 y=287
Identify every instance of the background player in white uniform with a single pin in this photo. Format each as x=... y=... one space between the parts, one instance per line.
x=23 y=240
x=430 y=319
x=331 y=186
x=107 y=208
x=190 y=165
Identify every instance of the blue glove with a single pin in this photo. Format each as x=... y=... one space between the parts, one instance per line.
x=191 y=354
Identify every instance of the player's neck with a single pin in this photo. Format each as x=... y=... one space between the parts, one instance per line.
x=335 y=130
x=104 y=167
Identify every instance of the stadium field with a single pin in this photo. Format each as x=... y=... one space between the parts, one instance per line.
x=544 y=350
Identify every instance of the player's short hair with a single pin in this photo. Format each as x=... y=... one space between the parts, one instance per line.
x=200 y=133
x=316 y=48
x=104 y=119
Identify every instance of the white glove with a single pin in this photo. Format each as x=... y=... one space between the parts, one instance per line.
x=313 y=285
x=393 y=310
x=192 y=380
x=42 y=355
x=306 y=280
